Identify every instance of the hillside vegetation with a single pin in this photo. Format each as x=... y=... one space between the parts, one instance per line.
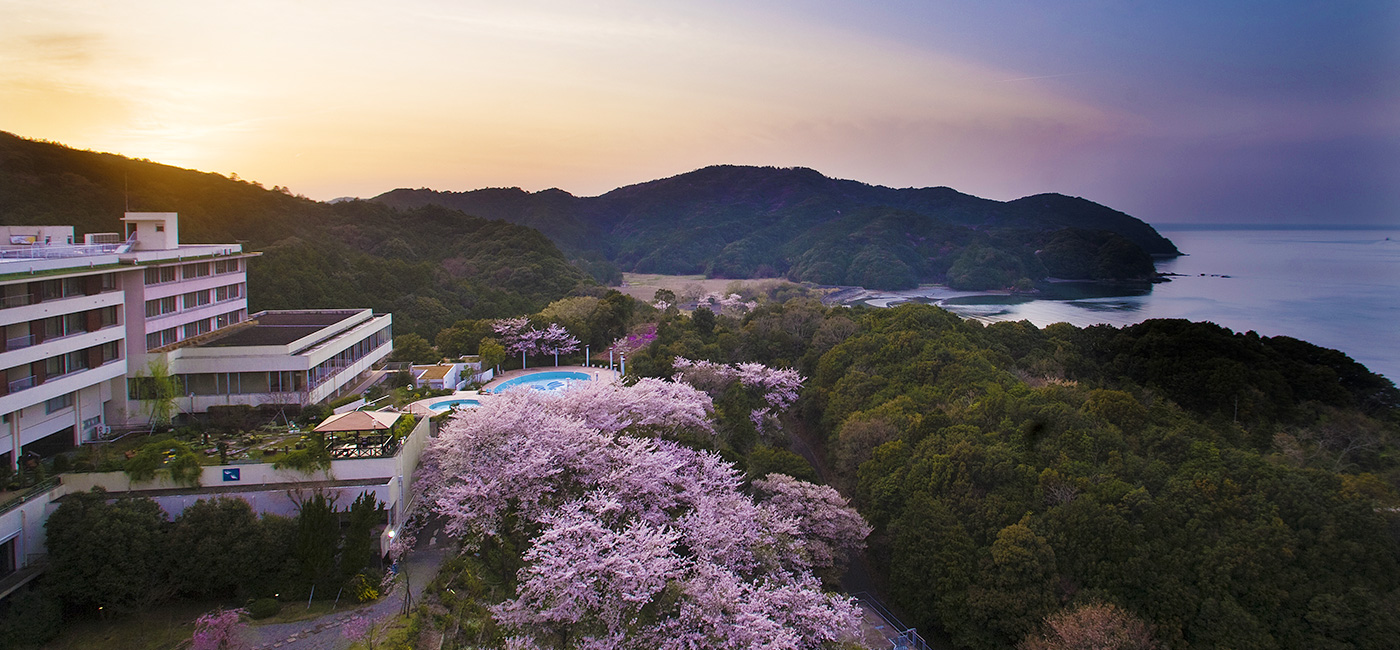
x=431 y=266
x=743 y=222
x=1229 y=489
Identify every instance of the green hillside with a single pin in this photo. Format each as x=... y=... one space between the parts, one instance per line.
x=431 y=266
x=741 y=222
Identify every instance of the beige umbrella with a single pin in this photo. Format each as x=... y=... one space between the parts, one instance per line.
x=359 y=421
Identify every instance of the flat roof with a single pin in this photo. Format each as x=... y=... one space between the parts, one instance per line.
x=280 y=328
x=436 y=372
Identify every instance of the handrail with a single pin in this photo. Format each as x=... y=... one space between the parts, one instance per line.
x=18 y=300
x=30 y=494
x=22 y=384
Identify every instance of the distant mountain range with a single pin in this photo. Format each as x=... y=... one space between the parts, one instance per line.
x=416 y=253
x=739 y=222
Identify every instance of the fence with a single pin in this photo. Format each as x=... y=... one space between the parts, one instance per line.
x=899 y=636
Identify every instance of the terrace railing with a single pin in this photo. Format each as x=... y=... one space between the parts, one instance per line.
x=372 y=446
x=29 y=494
x=899 y=636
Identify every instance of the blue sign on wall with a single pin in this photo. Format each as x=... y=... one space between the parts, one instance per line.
x=232 y=474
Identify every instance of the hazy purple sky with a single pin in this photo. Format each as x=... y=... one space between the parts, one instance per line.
x=1171 y=111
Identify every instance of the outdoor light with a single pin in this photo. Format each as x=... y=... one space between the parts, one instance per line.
x=391 y=533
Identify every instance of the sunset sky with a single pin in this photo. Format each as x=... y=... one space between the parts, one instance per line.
x=1171 y=111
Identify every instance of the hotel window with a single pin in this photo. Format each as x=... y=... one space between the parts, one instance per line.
x=109 y=281
x=224 y=320
x=226 y=266
x=194 y=270
x=196 y=299
x=160 y=275
x=65 y=364
x=196 y=328
x=229 y=292
x=161 y=338
x=159 y=306
x=58 y=403
x=110 y=351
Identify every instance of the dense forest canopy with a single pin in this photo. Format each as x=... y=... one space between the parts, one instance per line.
x=1229 y=489
x=742 y=222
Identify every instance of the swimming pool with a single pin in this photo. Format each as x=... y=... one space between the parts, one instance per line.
x=454 y=403
x=553 y=380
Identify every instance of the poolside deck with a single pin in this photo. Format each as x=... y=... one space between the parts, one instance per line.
x=421 y=407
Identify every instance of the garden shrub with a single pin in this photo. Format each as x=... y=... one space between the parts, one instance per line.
x=30 y=618
x=168 y=455
x=264 y=608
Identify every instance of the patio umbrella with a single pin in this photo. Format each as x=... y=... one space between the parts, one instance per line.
x=359 y=421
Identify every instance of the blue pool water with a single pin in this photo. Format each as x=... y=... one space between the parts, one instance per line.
x=554 y=380
x=447 y=404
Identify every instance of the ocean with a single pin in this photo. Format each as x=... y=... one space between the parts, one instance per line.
x=1334 y=288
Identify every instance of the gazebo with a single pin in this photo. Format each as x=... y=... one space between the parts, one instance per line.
x=372 y=434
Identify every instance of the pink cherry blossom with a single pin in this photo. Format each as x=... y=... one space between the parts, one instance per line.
x=634 y=541
x=778 y=387
x=223 y=629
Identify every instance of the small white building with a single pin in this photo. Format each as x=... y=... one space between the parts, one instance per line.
x=438 y=377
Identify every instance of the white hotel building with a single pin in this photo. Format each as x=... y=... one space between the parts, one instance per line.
x=81 y=320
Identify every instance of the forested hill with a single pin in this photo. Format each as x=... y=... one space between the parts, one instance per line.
x=1227 y=490
x=431 y=266
x=736 y=221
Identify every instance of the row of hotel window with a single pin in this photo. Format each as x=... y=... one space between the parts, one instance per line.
x=23 y=335
x=222 y=383
x=163 y=274
x=33 y=374
x=189 y=330
x=28 y=293
x=253 y=383
x=349 y=356
x=171 y=304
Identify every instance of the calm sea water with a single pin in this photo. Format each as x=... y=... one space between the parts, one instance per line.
x=1335 y=288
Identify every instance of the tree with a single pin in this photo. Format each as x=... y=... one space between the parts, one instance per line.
x=556 y=340
x=1016 y=588
x=212 y=547
x=157 y=389
x=518 y=337
x=220 y=630
x=632 y=541
x=361 y=545
x=830 y=528
x=1093 y=626
x=491 y=353
x=777 y=388
x=107 y=555
x=414 y=349
x=317 y=539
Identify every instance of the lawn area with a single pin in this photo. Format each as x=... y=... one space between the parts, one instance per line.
x=167 y=627
x=161 y=628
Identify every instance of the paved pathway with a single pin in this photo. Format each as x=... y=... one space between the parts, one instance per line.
x=324 y=633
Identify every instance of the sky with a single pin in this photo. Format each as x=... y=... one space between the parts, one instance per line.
x=1174 y=112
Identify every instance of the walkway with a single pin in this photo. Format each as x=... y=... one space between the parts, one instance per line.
x=420 y=565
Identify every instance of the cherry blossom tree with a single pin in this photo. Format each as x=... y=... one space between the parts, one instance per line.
x=557 y=340
x=222 y=629
x=635 y=541
x=830 y=528
x=731 y=304
x=777 y=387
x=517 y=336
